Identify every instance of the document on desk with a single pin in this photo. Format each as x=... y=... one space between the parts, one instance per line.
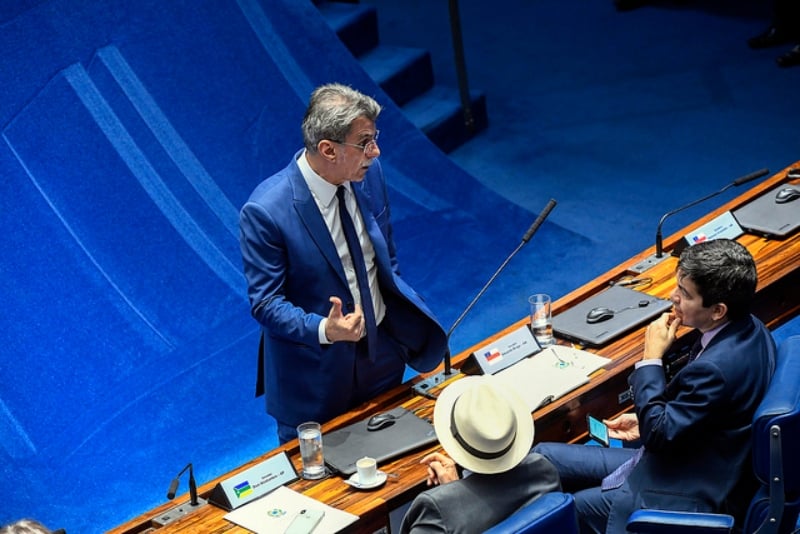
x=275 y=511
x=551 y=373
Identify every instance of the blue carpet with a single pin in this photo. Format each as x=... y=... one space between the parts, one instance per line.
x=133 y=132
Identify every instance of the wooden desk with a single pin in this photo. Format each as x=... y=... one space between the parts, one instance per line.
x=778 y=299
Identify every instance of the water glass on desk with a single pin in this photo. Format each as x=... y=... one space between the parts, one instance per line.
x=541 y=319
x=309 y=435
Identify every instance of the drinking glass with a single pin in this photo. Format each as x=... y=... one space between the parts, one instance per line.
x=309 y=435
x=541 y=319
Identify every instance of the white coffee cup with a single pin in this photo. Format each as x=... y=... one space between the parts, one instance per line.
x=367 y=471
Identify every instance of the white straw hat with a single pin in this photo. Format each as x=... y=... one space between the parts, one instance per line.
x=483 y=426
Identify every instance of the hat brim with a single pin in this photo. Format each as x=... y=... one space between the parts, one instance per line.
x=441 y=424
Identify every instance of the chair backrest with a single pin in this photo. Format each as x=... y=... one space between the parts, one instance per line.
x=552 y=512
x=776 y=438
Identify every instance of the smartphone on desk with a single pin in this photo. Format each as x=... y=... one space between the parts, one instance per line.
x=598 y=430
x=305 y=522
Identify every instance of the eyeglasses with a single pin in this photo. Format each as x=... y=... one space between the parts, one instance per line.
x=367 y=146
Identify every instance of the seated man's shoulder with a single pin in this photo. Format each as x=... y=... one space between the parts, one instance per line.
x=540 y=468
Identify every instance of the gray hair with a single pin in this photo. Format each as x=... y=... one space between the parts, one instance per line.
x=25 y=526
x=331 y=112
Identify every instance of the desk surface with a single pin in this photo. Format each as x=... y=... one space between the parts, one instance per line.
x=778 y=299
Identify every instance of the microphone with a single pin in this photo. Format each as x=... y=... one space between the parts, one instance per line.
x=173 y=486
x=525 y=238
x=422 y=387
x=736 y=183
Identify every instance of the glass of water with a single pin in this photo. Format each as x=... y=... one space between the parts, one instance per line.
x=541 y=319
x=309 y=435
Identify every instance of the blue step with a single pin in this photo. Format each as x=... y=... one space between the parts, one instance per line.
x=438 y=113
x=406 y=76
x=403 y=73
x=356 y=25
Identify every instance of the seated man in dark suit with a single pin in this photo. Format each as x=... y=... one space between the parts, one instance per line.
x=487 y=430
x=696 y=428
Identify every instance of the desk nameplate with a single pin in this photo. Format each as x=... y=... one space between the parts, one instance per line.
x=253 y=483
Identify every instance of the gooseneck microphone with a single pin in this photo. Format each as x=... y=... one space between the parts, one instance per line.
x=422 y=387
x=739 y=181
x=173 y=486
x=525 y=238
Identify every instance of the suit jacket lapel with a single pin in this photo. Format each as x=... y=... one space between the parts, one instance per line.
x=374 y=231
x=309 y=214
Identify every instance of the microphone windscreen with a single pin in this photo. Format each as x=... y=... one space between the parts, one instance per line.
x=173 y=487
x=539 y=220
x=752 y=176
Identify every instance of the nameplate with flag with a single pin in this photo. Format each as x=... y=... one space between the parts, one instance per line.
x=724 y=226
x=503 y=352
x=254 y=482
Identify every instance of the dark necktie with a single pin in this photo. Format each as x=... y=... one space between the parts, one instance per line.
x=697 y=347
x=357 y=255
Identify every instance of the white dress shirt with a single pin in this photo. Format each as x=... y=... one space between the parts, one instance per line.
x=324 y=194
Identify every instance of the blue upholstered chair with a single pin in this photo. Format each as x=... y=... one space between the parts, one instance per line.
x=552 y=512
x=776 y=438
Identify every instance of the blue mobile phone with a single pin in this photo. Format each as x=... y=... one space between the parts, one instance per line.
x=598 y=430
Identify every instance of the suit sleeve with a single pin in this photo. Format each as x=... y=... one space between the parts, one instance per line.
x=663 y=422
x=265 y=268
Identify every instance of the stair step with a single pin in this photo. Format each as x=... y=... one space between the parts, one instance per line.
x=356 y=25
x=406 y=75
x=439 y=115
x=403 y=73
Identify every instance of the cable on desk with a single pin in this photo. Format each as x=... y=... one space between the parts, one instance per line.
x=427 y=395
x=630 y=281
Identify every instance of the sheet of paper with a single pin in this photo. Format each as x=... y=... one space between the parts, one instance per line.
x=561 y=356
x=272 y=513
x=551 y=374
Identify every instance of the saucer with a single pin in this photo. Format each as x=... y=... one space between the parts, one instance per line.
x=380 y=480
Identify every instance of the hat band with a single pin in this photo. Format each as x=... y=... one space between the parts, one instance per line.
x=483 y=455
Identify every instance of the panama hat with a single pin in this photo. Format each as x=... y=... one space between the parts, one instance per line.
x=484 y=426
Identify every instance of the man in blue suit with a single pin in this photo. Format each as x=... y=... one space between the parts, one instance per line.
x=338 y=326
x=695 y=429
